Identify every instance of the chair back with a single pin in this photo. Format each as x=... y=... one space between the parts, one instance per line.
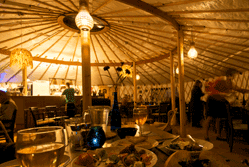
x=6 y=133
x=51 y=111
x=34 y=112
x=164 y=107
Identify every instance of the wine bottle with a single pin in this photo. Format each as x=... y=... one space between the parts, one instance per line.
x=115 y=114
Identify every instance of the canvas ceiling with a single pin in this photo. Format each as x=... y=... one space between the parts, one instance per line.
x=219 y=29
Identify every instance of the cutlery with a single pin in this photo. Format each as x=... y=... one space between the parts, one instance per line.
x=193 y=140
x=174 y=139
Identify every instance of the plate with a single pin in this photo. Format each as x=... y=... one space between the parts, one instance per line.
x=206 y=146
x=158 y=124
x=117 y=150
x=147 y=144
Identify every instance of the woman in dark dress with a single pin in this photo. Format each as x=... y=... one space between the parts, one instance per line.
x=196 y=104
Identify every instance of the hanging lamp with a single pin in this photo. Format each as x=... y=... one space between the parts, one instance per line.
x=84 y=20
x=192 y=53
x=21 y=57
x=137 y=77
x=177 y=70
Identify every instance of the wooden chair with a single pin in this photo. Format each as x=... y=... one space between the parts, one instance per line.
x=10 y=126
x=167 y=127
x=237 y=125
x=161 y=114
x=38 y=121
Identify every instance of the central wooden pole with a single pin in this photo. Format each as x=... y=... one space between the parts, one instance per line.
x=180 y=40
x=86 y=69
x=135 y=84
x=24 y=81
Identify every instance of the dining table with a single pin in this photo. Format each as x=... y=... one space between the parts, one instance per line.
x=153 y=133
x=160 y=151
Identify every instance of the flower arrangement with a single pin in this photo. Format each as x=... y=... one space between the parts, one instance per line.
x=123 y=72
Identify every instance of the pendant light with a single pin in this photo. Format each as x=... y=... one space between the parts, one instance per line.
x=192 y=53
x=20 y=56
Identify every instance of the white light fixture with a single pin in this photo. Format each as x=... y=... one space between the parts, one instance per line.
x=137 y=77
x=192 y=53
x=84 y=20
x=177 y=70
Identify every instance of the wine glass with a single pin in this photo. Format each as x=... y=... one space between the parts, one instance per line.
x=40 y=146
x=140 y=116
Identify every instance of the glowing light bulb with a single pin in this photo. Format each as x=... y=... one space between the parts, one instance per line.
x=137 y=77
x=192 y=53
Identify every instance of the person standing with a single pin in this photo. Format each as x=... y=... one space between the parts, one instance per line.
x=196 y=104
x=222 y=93
x=70 y=100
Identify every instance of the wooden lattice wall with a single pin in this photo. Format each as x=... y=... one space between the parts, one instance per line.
x=147 y=90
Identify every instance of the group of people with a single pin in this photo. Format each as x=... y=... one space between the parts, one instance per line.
x=220 y=95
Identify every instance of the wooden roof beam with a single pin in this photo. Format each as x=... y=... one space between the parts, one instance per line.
x=206 y=19
x=138 y=65
x=62 y=4
x=32 y=38
x=58 y=55
x=160 y=36
x=52 y=6
x=101 y=6
x=4 y=31
x=29 y=10
x=96 y=61
x=72 y=3
x=208 y=11
x=31 y=14
x=29 y=18
x=27 y=34
x=213 y=28
x=12 y=3
x=216 y=34
x=152 y=10
x=14 y=75
x=143 y=36
x=46 y=39
x=113 y=53
x=221 y=46
x=52 y=45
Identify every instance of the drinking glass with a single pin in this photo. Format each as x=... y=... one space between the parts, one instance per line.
x=140 y=116
x=41 y=146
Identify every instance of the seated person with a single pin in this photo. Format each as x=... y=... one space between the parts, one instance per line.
x=140 y=100
x=8 y=106
x=124 y=107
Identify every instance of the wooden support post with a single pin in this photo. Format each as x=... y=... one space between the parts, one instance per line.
x=134 y=83
x=86 y=69
x=172 y=78
x=24 y=81
x=180 y=40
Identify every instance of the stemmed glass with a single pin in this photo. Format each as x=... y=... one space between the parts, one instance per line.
x=140 y=116
x=41 y=146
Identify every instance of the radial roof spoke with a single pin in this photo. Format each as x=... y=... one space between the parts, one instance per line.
x=128 y=31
